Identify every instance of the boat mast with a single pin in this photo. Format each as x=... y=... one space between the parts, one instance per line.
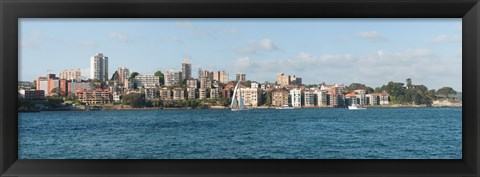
x=234 y=101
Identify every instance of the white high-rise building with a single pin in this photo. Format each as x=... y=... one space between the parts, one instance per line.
x=99 y=67
x=296 y=97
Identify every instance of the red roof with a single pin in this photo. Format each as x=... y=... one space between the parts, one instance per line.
x=350 y=94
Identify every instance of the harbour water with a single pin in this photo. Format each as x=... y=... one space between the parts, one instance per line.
x=375 y=133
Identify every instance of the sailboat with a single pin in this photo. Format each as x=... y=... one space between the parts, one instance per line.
x=237 y=105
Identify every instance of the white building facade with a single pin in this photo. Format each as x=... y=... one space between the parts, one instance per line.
x=296 y=97
x=147 y=81
x=251 y=96
x=99 y=67
x=172 y=77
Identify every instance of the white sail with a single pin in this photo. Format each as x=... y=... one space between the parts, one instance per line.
x=234 y=106
x=241 y=103
x=234 y=97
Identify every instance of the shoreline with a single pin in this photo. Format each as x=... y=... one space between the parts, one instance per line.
x=220 y=108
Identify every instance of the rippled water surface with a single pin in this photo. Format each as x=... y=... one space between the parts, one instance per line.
x=381 y=133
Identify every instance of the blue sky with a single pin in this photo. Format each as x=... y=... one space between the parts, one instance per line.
x=369 y=51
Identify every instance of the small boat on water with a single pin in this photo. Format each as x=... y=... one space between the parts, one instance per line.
x=356 y=107
x=285 y=107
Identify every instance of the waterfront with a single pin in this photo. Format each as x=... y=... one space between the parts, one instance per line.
x=375 y=133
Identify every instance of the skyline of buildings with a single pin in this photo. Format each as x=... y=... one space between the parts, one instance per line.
x=204 y=87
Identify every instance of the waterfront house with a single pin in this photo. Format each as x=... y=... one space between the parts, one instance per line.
x=178 y=93
x=382 y=98
x=337 y=99
x=322 y=98
x=251 y=96
x=202 y=93
x=296 y=97
x=279 y=98
x=310 y=98
x=191 y=93
x=165 y=93
x=97 y=96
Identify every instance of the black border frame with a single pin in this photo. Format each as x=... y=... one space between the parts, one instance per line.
x=11 y=10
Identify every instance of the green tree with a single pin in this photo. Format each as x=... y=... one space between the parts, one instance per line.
x=115 y=76
x=225 y=101
x=133 y=75
x=357 y=86
x=431 y=94
x=394 y=88
x=55 y=91
x=446 y=91
x=54 y=102
x=247 y=83
x=71 y=96
x=136 y=100
x=161 y=77
x=25 y=104
x=369 y=90
x=421 y=88
x=409 y=96
x=267 y=98
x=416 y=94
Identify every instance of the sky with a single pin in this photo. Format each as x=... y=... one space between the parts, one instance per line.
x=367 y=51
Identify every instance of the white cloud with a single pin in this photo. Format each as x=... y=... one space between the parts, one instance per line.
x=254 y=47
x=374 y=69
x=119 y=37
x=373 y=36
x=243 y=63
x=447 y=38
